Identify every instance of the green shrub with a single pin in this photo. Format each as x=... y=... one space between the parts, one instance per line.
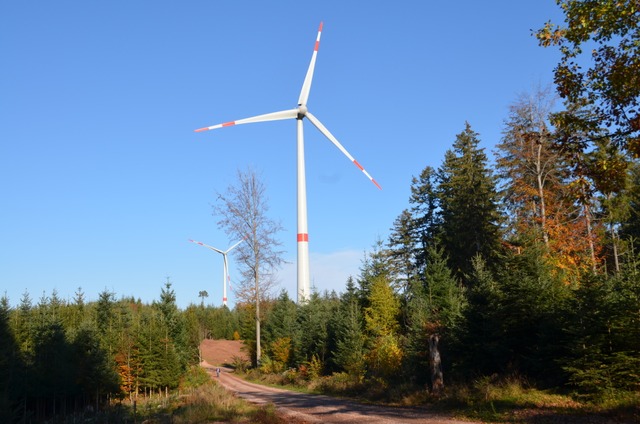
x=195 y=376
x=240 y=364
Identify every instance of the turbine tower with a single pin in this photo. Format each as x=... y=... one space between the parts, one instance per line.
x=225 y=270
x=299 y=113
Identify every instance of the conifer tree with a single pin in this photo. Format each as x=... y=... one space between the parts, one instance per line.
x=11 y=366
x=350 y=353
x=281 y=328
x=415 y=229
x=382 y=327
x=630 y=227
x=468 y=201
x=434 y=312
x=313 y=320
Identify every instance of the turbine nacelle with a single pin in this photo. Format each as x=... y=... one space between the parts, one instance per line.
x=302 y=111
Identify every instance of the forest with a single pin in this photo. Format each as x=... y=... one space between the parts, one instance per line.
x=525 y=263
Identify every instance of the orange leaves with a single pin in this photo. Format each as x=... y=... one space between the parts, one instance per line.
x=125 y=372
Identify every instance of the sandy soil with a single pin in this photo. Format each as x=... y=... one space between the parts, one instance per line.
x=221 y=352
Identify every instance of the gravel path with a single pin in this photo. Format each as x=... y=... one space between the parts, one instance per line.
x=309 y=408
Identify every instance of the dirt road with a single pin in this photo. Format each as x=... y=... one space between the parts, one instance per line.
x=307 y=408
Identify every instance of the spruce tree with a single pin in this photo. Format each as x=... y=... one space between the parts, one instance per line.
x=415 y=230
x=281 y=325
x=350 y=353
x=434 y=311
x=468 y=203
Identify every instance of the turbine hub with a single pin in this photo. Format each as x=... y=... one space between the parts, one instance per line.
x=302 y=111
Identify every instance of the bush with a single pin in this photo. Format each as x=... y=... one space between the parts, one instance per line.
x=240 y=364
x=195 y=377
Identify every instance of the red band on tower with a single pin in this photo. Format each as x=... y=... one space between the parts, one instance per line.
x=303 y=237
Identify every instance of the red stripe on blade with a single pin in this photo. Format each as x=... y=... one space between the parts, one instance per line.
x=228 y=124
x=355 y=162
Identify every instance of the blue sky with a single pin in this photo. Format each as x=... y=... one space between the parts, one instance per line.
x=103 y=180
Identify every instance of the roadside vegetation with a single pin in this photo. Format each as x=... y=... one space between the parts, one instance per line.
x=198 y=399
x=488 y=400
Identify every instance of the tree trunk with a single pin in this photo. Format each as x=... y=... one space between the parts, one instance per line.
x=437 y=382
x=543 y=207
x=614 y=237
x=258 y=349
x=592 y=249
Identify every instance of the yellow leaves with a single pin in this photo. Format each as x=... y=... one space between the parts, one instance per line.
x=583 y=22
x=550 y=34
x=381 y=317
x=281 y=351
x=385 y=359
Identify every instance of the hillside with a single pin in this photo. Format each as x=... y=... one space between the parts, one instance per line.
x=221 y=352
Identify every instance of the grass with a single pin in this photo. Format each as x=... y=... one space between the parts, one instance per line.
x=486 y=399
x=211 y=402
x=199 y=400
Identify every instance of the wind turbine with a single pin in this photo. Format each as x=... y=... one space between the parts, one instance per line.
x=225 y=271
x=299 y=113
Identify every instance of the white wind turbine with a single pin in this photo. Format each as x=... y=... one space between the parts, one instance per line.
x=225 y=271
x=299 y=113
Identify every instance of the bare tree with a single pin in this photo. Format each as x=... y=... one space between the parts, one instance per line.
x=243 y=215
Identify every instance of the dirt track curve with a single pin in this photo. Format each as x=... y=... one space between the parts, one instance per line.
x=308 y=408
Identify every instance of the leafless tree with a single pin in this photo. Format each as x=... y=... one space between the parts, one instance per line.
x=243 y=215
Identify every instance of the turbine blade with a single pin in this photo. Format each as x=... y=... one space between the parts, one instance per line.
x=274 y=116
x=306 y=86
x=330 y=136
x=234 y=246
x=207 y=246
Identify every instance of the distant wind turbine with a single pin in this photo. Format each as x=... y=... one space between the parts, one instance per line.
x=299 y=113
x=225 y=271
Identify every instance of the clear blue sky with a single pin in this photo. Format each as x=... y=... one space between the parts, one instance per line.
x=103 y=180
